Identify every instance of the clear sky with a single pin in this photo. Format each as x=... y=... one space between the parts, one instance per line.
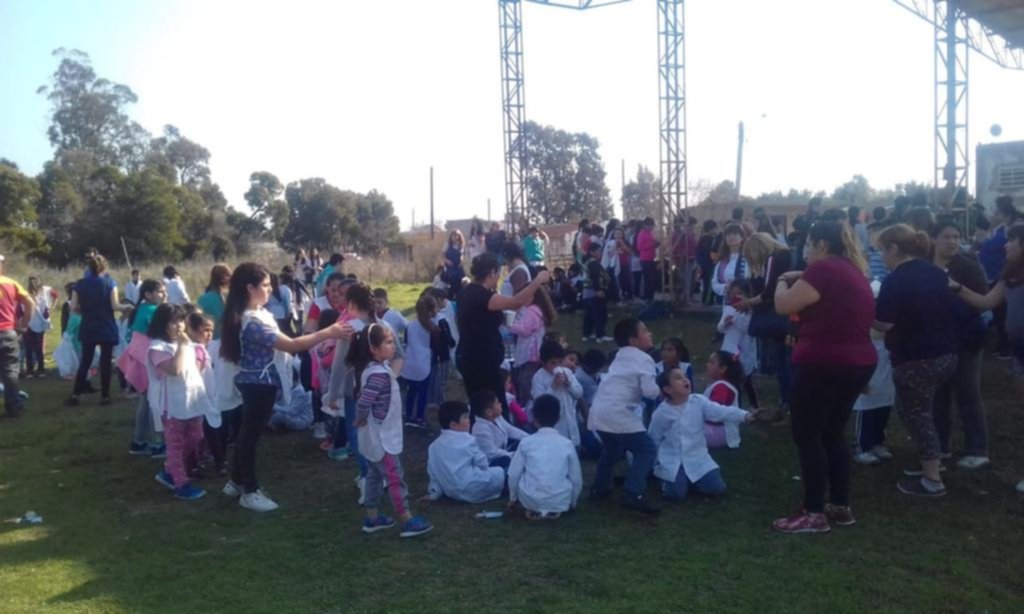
x=370 y=93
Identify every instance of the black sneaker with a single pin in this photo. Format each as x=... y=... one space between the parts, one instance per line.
x=917 y=488
x=640 y=504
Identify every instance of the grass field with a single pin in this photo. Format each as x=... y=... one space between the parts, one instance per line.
x=113 y=540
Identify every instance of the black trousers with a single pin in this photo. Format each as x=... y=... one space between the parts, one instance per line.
x=217 y=439
x=821 y=404
x=477 y=375
x=650 y=269
x=257 y=405
x=106 y=358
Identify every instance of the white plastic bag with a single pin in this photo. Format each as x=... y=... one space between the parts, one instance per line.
x=297 y=415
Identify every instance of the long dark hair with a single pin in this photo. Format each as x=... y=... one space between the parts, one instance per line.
x=426 y=308
x=361 y=296
x=148 y=286
x=245 y=275
x=165 y=315
x=359 y=354
x=733 y=368
x=220 y=276
x=839 y=241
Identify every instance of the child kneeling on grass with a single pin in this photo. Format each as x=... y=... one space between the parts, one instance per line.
x=379 y=424
x=495 y=436
x=545 y=475
x=677 y=428
x=457 y=466
x=177 y=392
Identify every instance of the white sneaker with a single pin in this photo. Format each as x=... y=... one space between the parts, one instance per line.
x=1020 y=486
x=589 y=339
x=605 y=340
x=361 y=483
x=866 y=458
x=232 y=490
x=946 y=455
x=319 y=431
x=257 y=502
x=882 y=452
x=973 y=462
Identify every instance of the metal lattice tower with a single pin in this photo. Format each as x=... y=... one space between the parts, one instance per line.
x=672 y=101
x=514 y=108
x=956 y=35
x=672 y=107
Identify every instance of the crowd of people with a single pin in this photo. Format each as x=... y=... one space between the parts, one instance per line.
x=853 y=317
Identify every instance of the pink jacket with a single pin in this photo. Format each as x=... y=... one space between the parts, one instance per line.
x=528 y=327
x=133 y=362
x=646 y=245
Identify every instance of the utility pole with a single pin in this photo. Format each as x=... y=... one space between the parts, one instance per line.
x=488 y=210
x=622 y=197
x=431 y=203
x=739 y=163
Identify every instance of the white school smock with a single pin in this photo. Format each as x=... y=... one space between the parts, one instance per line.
x=724 y=273
x=732 y=430
x=181 y=397
x=492 y=437
x=417 y=353
x=506 y=286
x=545 y=475
x=630 y=379
x=459 y=469
x=342 y=383
x=380 y=436
x=678 y=431
x=881 y=390
x=736 y=337
x=568 y=423
x=176 y=292
x=448 y=313
x=397 y=322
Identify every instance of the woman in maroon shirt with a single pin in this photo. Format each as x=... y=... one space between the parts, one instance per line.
x=832 y=362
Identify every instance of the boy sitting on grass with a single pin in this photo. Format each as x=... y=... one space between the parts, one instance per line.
x=495 y=436
x=457 y=466
x=545 y=475
x=630 y=379
x=554 y=379
x=677 y=428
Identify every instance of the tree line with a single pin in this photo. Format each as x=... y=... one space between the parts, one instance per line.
x=110 y=179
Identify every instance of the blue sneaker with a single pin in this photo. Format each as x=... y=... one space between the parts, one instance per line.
x=189 y=492
x=138 y=449
x=381 y=522
x=416 y=525
x=165 y=478
x=339 y=454
x=158 y=451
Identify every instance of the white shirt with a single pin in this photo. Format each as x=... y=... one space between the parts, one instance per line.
x=881 y=392
x=448 y=313
x=40 y=321
x=610 y=255
x=417 y=352
x=131 y=291
x=492 y=437
x=397 y=322
x=728 y=273
x=459 y=469
x=630 y=378
x=545 y=473
x=678 y=431
x=380 y=436
x=737 y=339
x=280 y=308
x=732 y=430
x=543 y=383
x=176 y=292
x=182 y=396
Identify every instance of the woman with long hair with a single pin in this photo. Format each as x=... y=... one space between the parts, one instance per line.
x=253 y=344
x=833 y=359
x=916 y=312
x=768 y=260
x=731 y=264
x=452 y=257
x=212 y=300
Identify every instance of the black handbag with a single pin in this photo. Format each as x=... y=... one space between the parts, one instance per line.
x=765 y=323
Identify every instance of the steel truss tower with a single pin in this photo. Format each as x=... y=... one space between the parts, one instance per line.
x=955 y=36
x=671 y=102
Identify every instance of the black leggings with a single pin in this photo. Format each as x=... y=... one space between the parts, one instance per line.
x=477 y=376
x=217 y=439
x=257 y=405
x=821 y=403
x=106 y=356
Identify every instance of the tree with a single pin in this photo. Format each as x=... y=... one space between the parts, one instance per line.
x=264 y=199
x=88 y=114
x=856 y=191
x=565 y=176
x=179 y=159
x=18 y=198
x=377 y=225
x=319 y=215
x=641 y=198
x=722 y=192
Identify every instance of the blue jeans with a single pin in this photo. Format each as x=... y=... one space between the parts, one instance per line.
x=345 y=433
x=417 y=393
x=710 y=484
x=595 y=316
x=615 y=447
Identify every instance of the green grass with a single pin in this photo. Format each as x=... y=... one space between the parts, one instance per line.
x=113 y=540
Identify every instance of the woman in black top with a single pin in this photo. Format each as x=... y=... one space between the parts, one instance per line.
x=916 y=311
x=768 y=260
x=480 y=315
x=965 y=385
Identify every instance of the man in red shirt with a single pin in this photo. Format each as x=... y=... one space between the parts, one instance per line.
x=11 y=296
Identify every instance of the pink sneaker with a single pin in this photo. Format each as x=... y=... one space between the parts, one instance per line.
x=802 y=522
